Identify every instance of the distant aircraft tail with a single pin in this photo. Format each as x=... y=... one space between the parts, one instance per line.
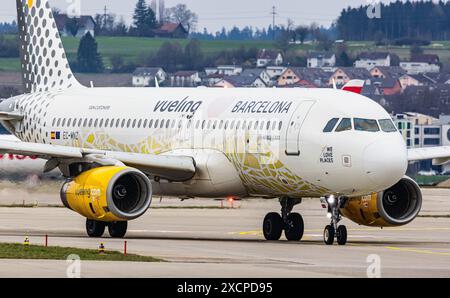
x=43 y=59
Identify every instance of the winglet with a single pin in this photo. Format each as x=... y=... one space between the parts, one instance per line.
x=354 y=86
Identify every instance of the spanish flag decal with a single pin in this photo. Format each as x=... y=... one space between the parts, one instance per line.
x=55 y=135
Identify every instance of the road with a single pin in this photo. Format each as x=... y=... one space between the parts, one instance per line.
x=229 y=242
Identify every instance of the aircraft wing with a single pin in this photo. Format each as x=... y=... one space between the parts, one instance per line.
x=439 y=155
x=174 y=168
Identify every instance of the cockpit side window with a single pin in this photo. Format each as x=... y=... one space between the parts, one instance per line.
x=369 y=125
x=330 y=125
x=387 y=125
x=346 y=124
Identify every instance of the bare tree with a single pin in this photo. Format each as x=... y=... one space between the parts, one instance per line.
x=181 y=14
x=162 y=11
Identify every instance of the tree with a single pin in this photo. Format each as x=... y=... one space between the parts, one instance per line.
x=144 y=19
x=169 y=56
x=182 y=15
x=88 y=57
x=193 y=55
x=301 y=33
x=73 y=26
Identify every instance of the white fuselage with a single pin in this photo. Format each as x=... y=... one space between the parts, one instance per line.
x=246 y=142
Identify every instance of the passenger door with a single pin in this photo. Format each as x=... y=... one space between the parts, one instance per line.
x=295 y=126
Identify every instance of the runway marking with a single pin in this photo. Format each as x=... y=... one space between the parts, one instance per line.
x=420 y=251
x=259 y=232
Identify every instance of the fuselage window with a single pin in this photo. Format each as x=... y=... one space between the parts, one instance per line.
x=63 y=122
x=387 y=125
x=280 y=125
x=117 y=123
x=128 y=123
x=134 y=123
x=150 y=123
x=268 y=125
x=244 y=125
x=261 y=127
x=221 y=124
x=226 y=125
x=101 y=123
x=369 y=125
x=232 y=125
x=90 y=122
x=80 y=122
x=167 y=123
x=156 y=123
x=54 y=121
x=162 y=123
x=174 y=122
x=122 y=125
x=345 y=125
x=85 y=122
x=209 y=124
x=107 y=123
x=69 y=122
x=214 y=125
x=238 y=124
x=95 y=122
x=256 y=125
x=250 y=124
x=190 y=124
x=330 y=125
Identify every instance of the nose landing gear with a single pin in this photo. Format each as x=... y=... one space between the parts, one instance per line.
x=333 y=230
x=291 y=223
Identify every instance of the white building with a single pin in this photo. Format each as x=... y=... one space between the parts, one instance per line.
x=229 y=70
x=145 y=76
x=371 y=60
x=419 y=64
x=269 y=57
x=319 y=60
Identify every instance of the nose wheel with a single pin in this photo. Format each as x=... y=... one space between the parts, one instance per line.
x=291 y=223
x=334 y=231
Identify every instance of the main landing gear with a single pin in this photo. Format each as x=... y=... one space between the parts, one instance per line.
x=96 y=229
x=291 y=223
x=333 y=230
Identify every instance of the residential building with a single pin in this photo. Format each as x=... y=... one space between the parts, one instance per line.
x=387 y=86
x=385 y=72
x=319 y=60
x=229 y=70
x=424 y=63
x=241 y=81
x=185 y=79
x=76 y=26
x=306 y=76
x=171 y=30
x=369 y=60
x=343 y=75
x=275 y=72
x=269 y=57
x=145 y=76
x=258 y=72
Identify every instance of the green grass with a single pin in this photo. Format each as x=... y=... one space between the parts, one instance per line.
x=131 y=48
x=34 y=252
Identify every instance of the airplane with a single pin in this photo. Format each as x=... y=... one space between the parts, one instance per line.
x=117 y=147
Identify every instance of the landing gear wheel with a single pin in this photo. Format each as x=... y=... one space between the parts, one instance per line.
x=341 y=235
x=328 y=235
x=273 y=226
x=117 y=229
x=95 y=229
x=294 y=228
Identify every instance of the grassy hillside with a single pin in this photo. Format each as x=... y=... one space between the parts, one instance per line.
x=130 y=48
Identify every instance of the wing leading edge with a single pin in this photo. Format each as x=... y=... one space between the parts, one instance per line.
x=439 y=155
x=174 y=168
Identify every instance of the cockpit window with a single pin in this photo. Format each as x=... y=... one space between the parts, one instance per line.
x=346 y=124
x=387 y=125
x=330 y=125
x=369 y=125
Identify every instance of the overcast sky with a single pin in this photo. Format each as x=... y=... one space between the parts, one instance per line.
x=214 y=14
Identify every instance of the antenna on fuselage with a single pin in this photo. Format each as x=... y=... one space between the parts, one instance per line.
x=334 y=85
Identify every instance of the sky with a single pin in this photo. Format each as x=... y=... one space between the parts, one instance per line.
x=215 y=14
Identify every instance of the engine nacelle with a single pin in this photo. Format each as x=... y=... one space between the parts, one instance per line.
x=396 y=206
x=108 y=194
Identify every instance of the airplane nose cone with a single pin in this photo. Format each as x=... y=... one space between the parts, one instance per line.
x=386 y=162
